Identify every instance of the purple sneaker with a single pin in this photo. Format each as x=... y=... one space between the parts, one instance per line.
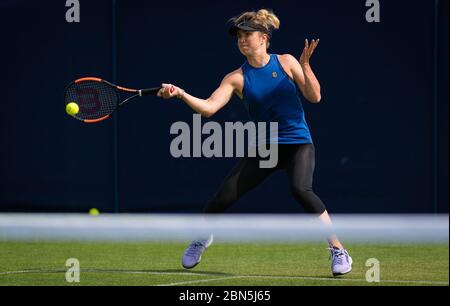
x=341 y=262
x=193 y=253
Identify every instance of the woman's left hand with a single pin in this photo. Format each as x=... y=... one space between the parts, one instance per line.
x=308 y=51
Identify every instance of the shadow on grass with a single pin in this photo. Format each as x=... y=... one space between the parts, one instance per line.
x=170 y=271
x=157 y=271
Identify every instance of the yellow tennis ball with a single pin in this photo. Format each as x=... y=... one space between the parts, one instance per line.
x=94 y=212
x=72 y=108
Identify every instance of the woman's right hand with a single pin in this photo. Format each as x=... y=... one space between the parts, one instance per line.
x=308 y=51
x=168 y=91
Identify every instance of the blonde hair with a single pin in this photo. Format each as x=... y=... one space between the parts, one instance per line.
x=263 y=17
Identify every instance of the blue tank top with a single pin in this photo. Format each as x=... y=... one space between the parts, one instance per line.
x=270 y=95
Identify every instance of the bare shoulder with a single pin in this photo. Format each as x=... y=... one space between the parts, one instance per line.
x=292 y=67
x=289 y=64
x=287 y=60
x=235 y=76
x=236 y=79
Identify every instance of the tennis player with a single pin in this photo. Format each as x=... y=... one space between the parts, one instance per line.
x=270 y=87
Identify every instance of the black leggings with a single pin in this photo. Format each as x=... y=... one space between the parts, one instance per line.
x=298 y=162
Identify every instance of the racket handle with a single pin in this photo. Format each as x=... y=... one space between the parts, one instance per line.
x=153 y=91
x=149 y=91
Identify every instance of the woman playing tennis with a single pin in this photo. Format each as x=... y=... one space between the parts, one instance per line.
x=272 y=84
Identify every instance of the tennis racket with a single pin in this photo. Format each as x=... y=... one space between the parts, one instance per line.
x=97 y=99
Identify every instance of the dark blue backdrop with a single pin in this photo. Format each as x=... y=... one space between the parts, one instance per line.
x=381 y=130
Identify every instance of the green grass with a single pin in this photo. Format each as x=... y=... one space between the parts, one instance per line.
x=43 y=263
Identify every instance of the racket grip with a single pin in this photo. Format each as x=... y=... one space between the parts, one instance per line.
x=149 y=91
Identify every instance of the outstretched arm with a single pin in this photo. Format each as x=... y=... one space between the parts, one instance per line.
x=206 y=107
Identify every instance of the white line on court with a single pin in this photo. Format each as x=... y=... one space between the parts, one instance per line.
x=307 y=278
x=227 y=277
x=199 y=281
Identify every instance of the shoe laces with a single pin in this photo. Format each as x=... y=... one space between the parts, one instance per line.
x=337 y=255
x=195 y=245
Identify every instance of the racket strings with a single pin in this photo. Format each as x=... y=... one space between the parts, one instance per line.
x=94 y=99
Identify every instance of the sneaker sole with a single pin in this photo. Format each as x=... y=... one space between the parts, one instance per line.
x=210 y=241
x=193 y=265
